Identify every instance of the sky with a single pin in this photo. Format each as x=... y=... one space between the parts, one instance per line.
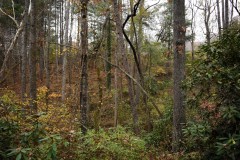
x=199 y=24
x=199 y=18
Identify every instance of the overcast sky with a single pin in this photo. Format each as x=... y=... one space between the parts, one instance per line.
x=199 y=24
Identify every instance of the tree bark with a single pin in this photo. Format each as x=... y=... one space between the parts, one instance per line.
x=179 y=29
x=116 y=58
x=226 y=14
x=219 y=19
x=223 y=14
x=33 y=58
x=108 y=49
x=47 y=52
x=84 y=67
x=24 y=55
x=122 y=51
x=65 y=53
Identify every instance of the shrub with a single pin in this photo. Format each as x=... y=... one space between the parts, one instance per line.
x=162 y=132
x=111 y=144
x=22 y=136
x=214 y=91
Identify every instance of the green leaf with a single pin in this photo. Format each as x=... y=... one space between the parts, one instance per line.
x=19 y=156
x=54 y=151
x=66 y=143
x=54 y=147
x=13 y=152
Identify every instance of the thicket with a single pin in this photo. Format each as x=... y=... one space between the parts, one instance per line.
x=213 y=87
x=26 y=136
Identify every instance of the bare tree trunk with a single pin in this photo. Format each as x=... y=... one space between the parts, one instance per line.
x=122 y=50
x=226 y=14
x=64 y=67
x=179 y=30
x=33 y=58
x=223 y=14
x=56 y=38
x=139 y=48
x=116 y=58
x=193 y=14
x=108 y=50
x=116 y=87
x=84 y=67
x=41 y=46
x=47 y=52
x=219 y=19
x=24 y=55
x=61 y=30
x=70 y=64
x=207 y=14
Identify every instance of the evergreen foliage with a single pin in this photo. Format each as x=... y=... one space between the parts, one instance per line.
x=214 y=91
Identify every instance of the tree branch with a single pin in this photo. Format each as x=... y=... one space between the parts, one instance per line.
x=15 y=38
x=133 y=14
x=12 y=18
x=152 y=5
x=138 y=84
x=235 y=6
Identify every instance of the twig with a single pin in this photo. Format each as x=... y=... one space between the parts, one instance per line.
x=152 y=5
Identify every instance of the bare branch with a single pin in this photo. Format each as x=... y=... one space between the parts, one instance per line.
x=12 y=18
x=235 y=7
x=133 y=14
x=14 y=40
x=138 y=84
x=152 y=5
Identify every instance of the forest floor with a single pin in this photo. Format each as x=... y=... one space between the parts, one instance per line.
x=63 y=118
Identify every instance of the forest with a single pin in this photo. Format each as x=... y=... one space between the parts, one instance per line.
x=119 y=79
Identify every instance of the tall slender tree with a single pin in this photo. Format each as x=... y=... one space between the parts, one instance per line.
x=84 y=66
x=33 y=57
x=122 y=51
x=226 y=23
x=116 y=58
x=108 y=50
x=179 y=30
x=24 y=55
x=64 y=66
x=47 y=49
x=219 y=18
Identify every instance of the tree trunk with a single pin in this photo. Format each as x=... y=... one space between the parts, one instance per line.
x=47 y=52
x=122 y=50
x=116 y=58
x=65 y=53
x=61 y=31
x=179 y=29
x=207 y=14
x=56 y=38
x=219 y=19
x=24 y=55
x=109 y=39
x=223 y=14
x=33 y=58
x=84 y=74
x=139 y=50
x=226 y=14
x=193 y=14
x=70 y=64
